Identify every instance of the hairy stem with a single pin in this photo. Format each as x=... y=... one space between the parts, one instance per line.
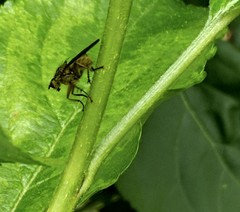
x=66 y=195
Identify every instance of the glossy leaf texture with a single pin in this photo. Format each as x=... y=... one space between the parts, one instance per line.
x=36 y=37
x=190 y=147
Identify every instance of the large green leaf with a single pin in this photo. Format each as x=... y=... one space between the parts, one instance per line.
x=195 y=167
x=36 y=37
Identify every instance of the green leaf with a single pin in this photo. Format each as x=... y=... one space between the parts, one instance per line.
x=37 y=36
x=190 y=151
x=119 y=159
x=224 y=70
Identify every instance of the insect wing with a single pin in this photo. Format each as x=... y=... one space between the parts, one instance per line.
x=84 y=51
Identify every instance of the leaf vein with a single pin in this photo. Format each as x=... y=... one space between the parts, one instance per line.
x=38 y=169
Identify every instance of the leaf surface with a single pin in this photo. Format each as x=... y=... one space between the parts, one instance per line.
x=194 y=169
x=36 y=37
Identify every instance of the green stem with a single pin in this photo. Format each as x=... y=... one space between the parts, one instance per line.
x=66 y=195
x=213 y=26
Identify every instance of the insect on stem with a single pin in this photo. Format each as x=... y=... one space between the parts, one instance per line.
x=70 y=73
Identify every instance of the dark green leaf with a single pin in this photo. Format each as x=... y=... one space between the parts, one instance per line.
x=182 y=166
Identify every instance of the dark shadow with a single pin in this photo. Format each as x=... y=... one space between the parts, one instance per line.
x=203 y=3
x=2 y=1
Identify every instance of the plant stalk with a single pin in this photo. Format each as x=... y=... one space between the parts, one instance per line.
x=66 y=195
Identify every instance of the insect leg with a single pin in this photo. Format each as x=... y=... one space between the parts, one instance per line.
x=70 y=90
x=85 y=93
x=94 y=69
x=88 y=76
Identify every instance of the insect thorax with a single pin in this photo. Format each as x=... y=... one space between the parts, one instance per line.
x=74 y=72
x=84 y=61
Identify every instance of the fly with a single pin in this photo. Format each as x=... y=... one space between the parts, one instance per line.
x=70 y=73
